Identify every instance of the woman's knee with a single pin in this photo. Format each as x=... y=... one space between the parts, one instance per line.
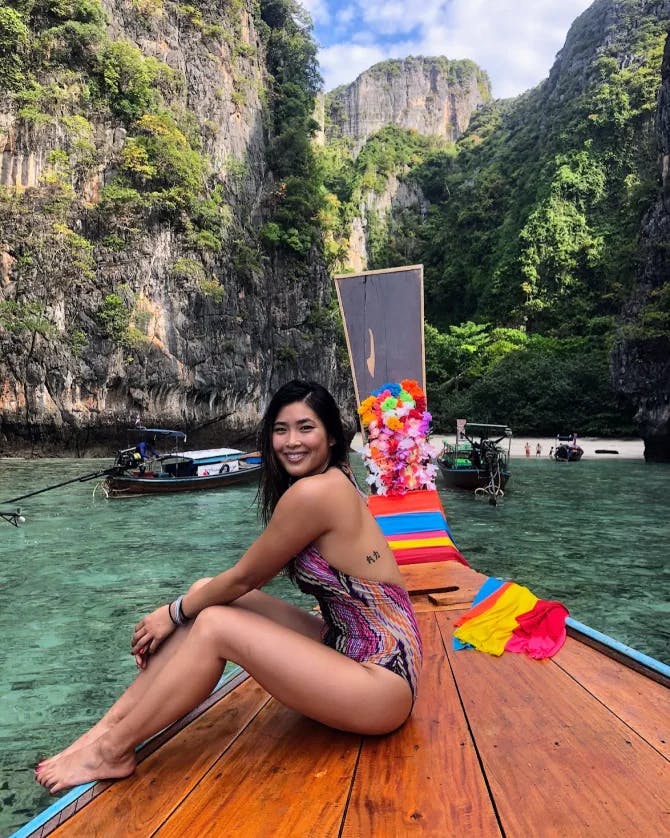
x=213 y=626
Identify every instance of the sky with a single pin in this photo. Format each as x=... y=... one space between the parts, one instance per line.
x=515 y=41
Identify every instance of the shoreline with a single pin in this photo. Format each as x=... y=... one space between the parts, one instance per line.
x=627 y=449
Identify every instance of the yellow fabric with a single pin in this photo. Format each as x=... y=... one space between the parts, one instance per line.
x=490 y=631
x=405 y=544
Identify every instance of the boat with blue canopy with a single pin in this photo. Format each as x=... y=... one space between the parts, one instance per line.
x=141 y=469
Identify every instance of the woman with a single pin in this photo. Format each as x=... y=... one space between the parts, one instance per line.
x=354 y=667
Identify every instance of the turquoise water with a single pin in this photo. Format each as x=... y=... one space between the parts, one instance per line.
x=81 y=571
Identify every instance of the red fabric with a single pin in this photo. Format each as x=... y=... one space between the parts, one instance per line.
x=541 y=631
x=421 y=500
x=418 y=555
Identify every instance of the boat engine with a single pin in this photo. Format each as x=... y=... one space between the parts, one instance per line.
x=127 y=458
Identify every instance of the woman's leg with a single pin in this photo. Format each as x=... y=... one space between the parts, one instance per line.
x=261 y=603
x=130 y=696
x=299 y=671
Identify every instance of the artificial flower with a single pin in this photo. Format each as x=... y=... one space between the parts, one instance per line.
x=398 y=455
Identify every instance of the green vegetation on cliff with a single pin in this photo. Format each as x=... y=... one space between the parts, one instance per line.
x=533 y=229
x=70 y=81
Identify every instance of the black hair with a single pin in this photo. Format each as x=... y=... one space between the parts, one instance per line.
x=274 y=480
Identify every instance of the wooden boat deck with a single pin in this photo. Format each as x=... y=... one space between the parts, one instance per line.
x=576 y=745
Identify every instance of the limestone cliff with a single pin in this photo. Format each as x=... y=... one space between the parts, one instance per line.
x=430 y=97
x=133 y=274
x=640 y=361
x=378 y=213
x=433 y=96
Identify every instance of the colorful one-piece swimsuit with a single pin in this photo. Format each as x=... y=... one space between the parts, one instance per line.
x=368 y=621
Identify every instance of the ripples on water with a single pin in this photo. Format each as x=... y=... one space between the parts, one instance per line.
x=81 y=571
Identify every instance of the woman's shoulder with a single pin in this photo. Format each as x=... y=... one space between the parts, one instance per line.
x=332 y=486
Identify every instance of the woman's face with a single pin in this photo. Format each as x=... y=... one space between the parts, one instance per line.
x=300 y=441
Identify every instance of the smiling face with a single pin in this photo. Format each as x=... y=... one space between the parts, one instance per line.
x=300 y=441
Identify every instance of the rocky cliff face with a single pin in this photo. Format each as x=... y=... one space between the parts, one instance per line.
x=433 y=96
x=111 y=307
x=640 y=362
x=377 y=213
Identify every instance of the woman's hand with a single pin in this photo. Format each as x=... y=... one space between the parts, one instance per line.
x=149 y=633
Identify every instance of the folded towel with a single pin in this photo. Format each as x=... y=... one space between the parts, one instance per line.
x=541 y=632
x=507 y=617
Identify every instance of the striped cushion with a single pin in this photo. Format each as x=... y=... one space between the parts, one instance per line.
x=415 y=527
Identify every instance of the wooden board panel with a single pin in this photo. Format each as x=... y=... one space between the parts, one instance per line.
x=640 y=702
x=557 y=761
x=138 y=805
x=424 y=779
x=435 y=576
x=286 y=776
x=376 y=307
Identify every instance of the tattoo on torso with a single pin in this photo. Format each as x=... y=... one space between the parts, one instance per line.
x=371 y=559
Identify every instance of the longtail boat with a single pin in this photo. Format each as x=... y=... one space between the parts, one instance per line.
x=476 y=460
x=574 y=745
x=145 y=471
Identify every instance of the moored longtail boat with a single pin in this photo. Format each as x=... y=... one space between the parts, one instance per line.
x=576 y=744
x=135 y=474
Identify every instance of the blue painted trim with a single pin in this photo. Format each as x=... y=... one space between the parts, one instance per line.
x=49 y=812
x=628 y=651
x=72 y=795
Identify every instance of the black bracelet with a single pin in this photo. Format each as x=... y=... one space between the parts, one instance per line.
x=182 y=615
x=178 y=618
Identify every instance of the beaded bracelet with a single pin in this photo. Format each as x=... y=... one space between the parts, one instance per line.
x=174 y=622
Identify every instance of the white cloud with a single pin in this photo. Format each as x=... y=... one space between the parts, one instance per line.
x=515 y=41
x=345 y=15
x=318 y=9
x=342 y=63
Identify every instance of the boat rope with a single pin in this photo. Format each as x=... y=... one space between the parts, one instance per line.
x=491 y=462
x=12 y=517
x=8 y=516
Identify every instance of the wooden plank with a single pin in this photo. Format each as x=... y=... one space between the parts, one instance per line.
x=425 y=778
x=287 y=775
x=460 y=596
x=639 y=701
x=138 y=805
x=422 y=603
x=557 y=761
x=441 y=576
x=610 y=648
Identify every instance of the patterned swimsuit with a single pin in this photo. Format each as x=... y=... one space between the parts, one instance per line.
x=368 y=621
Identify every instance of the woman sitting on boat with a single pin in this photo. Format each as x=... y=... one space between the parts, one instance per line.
x=354 y=667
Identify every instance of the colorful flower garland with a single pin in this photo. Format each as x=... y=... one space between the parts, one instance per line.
x=397 y=454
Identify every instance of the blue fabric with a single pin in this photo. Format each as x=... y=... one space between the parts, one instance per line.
x=410 y=522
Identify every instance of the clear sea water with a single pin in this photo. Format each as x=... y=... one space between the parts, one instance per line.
x=81 y=571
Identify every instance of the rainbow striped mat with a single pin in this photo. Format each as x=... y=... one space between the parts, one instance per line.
x=415 y=527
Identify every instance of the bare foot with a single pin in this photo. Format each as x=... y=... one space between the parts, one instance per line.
x=91 y=762
x=85 y=739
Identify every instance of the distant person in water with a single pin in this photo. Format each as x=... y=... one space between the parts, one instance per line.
x=538 y=450
x=551 y=451
x=527 y=449
x=354 y=667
